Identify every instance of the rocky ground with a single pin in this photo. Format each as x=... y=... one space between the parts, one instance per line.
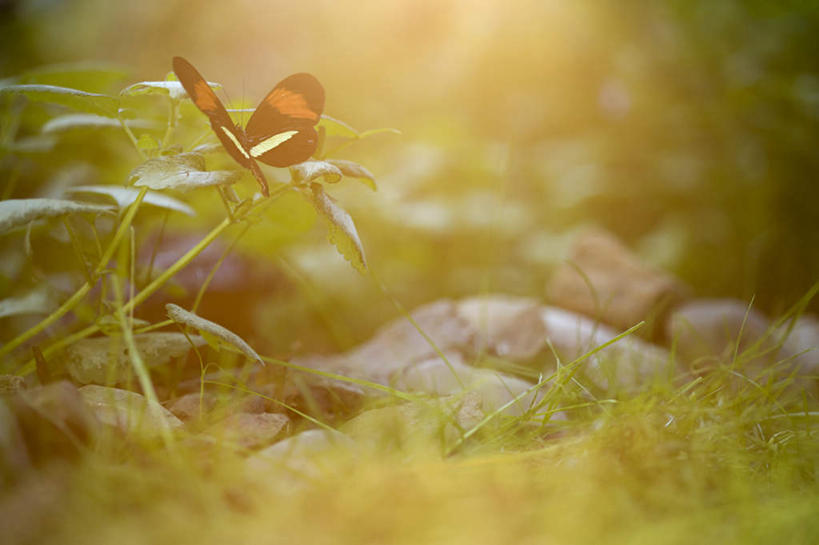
x=440 y=372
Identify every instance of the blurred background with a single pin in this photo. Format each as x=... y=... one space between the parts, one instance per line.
x=687 y=128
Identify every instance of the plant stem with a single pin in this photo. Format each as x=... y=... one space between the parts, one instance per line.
x=131 y=304
x=136 y=300
x=78 y=296
x=75 y=244
x=171 y=123
x=131 y=136
x=176 y=267
x=215 y=268
x=158 y=325
x=136 y=359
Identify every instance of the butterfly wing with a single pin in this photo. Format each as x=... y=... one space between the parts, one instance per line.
x=281 y=131
x=206 y=100
x=232 y=137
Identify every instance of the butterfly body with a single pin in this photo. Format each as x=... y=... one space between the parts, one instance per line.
x=280 y=132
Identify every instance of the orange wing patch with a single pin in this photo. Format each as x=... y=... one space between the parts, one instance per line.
x=292 y=104
x=205 y=98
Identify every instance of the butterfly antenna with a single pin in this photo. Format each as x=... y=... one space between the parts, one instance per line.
x=227 y=98
x=244 y=98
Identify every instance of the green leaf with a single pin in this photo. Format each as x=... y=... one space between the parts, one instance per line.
x=111 y=326
x=335 y=127
x=124 y=196
x=205 y=149
x=89 y=75
x=182 y=316
x=182 y=172
x=91 y=121
x=354 y=170
x=340 y=228
x=18 y=212
x=73 y=98
x=373 y=132
x=173 y=89
x=147 y=143
x=212 y=340
x=34 y=302
x=281 y=222
x=33 y=144
x=310 y=170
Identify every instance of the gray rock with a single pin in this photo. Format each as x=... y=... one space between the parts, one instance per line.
x=629 y=363
x=801 y=344
x=187 y=407
x=63 y=405
x=442 y=378
x=714 y=330
x=128 y=411
x=710 y=328
x=305 y=444
x=409 y=428
x=332 y=399
x=302 y=454
x=44 y=423
x=14 y=457
x=399 y=343
x=105 y=360
x=249 y=430
x=507 y=326
x=518 y=330
x=11 y=384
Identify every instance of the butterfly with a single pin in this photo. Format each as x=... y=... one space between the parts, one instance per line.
x=280 y=132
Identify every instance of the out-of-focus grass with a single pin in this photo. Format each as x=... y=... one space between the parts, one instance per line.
x=631 y=479
x=717 y=458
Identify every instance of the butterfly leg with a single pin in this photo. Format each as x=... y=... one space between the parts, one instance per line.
x=257 y=173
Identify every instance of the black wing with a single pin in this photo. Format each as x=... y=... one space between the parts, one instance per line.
x=281 y=131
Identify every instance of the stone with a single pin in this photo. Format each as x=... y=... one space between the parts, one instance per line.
x=48 y=422
x=606 y=281
x=105 y=360
x=63 y=405
x=517 y=331
x=411 y=428
x=441 y=377
x=801 y=344
x=249 y=430
x=710 y=328
x=627 y=364
x=506 y=326
x=709 y=332
x=333 y=399
x=398 y=428
x=399 y=343
x=470 y=411
x=305 y=444
x=302 y=453
x=187 y=407
x=11 y=384
x=191 y=406
x=14 y=457
x=128 y=411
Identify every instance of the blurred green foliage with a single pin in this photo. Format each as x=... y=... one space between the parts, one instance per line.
x=688 y=128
